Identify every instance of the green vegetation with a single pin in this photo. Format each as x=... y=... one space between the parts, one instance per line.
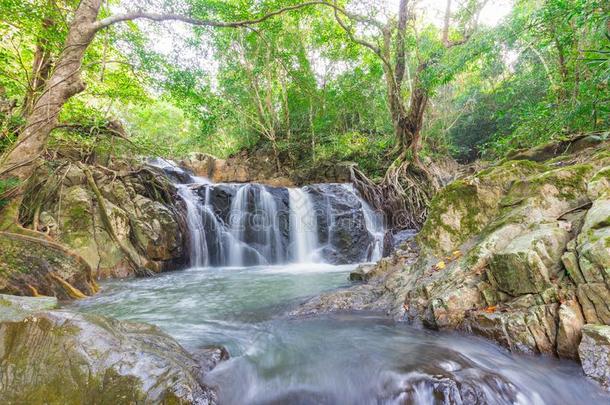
x=302 y=86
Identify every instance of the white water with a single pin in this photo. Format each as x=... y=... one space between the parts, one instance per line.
x=267 y=222
x=194 y=218
x=253 y=230
x=238 y=213
x=374 y=224
x=303 y=226
x=356 y=359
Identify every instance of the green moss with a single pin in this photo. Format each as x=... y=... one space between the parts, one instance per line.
x=463 y=199
x=602 y=174
x=5 y=186
x=510 y=170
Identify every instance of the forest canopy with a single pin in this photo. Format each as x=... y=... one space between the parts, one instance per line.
x=326 y=81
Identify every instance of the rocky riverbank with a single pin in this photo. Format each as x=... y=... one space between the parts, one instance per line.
x=84 y=222
x=518 y=252
x=53 y=356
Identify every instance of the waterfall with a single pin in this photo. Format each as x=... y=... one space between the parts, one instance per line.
x=374 y=225
x=237 y=222
x=198 y=248
x=303 y=226
x=267 y=221
x=373 y=221
x=253 y=224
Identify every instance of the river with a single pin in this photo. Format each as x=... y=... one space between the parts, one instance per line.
x=344 y=359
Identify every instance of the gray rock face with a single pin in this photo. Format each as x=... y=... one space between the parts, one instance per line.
x=341 y=224
x=530 y=261
x=594 y=353
x=69 y=358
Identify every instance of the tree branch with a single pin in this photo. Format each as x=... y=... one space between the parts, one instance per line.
x=207 y=23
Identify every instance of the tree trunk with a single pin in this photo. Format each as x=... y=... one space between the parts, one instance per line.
x=64 y=83
x=41 y=69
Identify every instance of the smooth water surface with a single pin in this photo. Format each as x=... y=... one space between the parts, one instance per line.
x=344 y=359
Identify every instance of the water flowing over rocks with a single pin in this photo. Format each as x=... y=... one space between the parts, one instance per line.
x=518 y=253
x=232 y=224
x=65 y=357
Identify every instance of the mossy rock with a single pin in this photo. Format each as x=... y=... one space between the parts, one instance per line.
x=90 y=359
x=529 y=263
x=31 y=266
x=465 y=207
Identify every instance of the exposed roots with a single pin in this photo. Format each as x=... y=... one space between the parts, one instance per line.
x=133 y=259
x=403 y=196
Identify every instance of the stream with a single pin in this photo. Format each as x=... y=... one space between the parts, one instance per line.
x=256 y=252
x=344 y=359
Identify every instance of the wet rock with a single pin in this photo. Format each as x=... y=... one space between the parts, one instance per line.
x=341 y=223
x=450 y=379
x=89 y=359
x=209 y=357
x=594 y=351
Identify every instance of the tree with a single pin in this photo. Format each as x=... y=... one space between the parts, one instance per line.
x=408 y=184
x=65 y=80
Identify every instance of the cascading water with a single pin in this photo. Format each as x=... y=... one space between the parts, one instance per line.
x=344 y=359
x=238 y=218
x=198 y=249
x=374 y=225
x=303 y=226
x=252 y=224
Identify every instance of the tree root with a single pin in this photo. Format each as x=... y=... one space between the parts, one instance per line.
x=403 y=196
x=134 y=260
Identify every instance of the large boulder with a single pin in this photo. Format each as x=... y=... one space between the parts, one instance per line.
x=35 y=266
x=594 y=353
x=119 y=220
x=70 y=358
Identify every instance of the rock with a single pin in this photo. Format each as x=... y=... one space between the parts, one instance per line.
x=594 y=351
x=139 y=206
x=569 y=333
x=209 y=357
x=362 y=272
x=15 y=308
x=341 y=223
x=32 y=266
x=92 y=359
x=594 y=243
x=529 y=263
x=155 y=230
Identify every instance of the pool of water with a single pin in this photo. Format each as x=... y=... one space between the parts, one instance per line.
x=343 y=359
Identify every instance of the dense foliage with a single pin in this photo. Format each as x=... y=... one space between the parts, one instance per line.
x=298 y=86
